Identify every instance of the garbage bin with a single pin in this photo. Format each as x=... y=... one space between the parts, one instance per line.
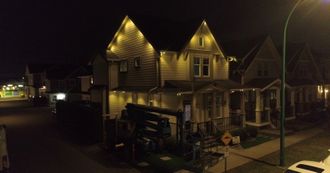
x=4 y=160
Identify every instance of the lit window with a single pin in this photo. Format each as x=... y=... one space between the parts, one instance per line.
x=206 y=69
x=201 y=67
x=201 y=41
x=123 y=66
x=197 y=63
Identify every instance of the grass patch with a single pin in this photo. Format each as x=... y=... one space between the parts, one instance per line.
x=255 y=141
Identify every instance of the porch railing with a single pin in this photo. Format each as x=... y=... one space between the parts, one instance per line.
x=222 y=124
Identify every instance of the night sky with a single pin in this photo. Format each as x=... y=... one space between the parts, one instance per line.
x=64 y=31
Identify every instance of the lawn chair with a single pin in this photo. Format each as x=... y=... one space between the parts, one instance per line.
x=4 y=160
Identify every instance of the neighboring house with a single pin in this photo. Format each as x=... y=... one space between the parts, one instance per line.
x=176 y=65
x=258 y=67
x=68 y=82
x=304 y=76
x=323 y=62
x=35 y=79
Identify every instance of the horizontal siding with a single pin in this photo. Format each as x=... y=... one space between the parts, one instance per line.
x=130 y=43
x=173 y=68
x=220 y=68
x=267 y=55
x=118 y=101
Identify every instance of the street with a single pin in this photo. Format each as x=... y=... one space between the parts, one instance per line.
x=36 y=146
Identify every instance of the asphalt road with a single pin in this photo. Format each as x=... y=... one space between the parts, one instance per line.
x=35 y=146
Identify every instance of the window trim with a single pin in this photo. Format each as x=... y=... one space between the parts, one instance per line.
x=122 y=64
x=201 y=66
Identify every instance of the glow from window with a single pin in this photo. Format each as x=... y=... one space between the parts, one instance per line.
x=60 y=96
x=20 y=86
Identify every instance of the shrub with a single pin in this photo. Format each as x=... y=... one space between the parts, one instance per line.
x=252 y=131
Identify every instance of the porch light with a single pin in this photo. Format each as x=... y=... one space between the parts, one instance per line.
x=60 y=96
x=178 y=94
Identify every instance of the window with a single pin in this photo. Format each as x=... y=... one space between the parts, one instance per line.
x=197 y=63
x=201 y=67
x=201 y=41
x=137 y=62
x=265 y=69
x=259 y=70
x=123 y=66
x=206 y=69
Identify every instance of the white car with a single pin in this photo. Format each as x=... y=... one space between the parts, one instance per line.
x=310 y=167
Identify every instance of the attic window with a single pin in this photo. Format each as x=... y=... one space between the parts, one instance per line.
x=123 y=66
x=201 y=41
x=137 y=62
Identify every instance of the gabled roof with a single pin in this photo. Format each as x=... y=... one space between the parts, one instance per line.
x=38 y=68
x=61 y=71
x=244 y=50
x=165 y=34
x=85 y=70
x=293 y=52
x=262 y=83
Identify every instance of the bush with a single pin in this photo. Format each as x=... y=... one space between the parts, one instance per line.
x=252 y=131
x=241 y=133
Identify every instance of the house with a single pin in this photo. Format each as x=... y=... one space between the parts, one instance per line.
x=304 y=76
x=157 y=62
x=323 y=64
x=68 y=82
x=35 y=78
x=258 y=67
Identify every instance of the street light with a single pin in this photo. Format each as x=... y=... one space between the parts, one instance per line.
x=282 y=130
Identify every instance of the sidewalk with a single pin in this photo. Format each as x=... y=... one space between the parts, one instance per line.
x=239 y=157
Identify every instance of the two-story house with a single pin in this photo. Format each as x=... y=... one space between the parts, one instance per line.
x=176 y=65
x=304 y=76
x=68 y=82
x=258 y=68
x=323 y=64
x=35 y=78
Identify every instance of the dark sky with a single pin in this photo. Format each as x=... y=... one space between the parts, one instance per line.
x=64 y=31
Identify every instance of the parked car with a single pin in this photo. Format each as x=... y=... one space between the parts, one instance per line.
x=310 y=166
x=4 y=160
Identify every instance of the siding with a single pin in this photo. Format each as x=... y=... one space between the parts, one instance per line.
x=131 y=43
x=219 y=66
x=113 y=74
x=173 y=67
x=267 y=55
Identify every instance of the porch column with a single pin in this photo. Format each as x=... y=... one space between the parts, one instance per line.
x=226 y=106
x=242 y=107
x=193 y=108
x=292 y=104
x=301 y=100
x=214 y=106
x=258 y=106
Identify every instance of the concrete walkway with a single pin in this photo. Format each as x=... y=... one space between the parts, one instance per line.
x=239 y=157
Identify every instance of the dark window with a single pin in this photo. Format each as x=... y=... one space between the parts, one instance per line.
x=206 y=64
x=197 y=63
x=123 y=66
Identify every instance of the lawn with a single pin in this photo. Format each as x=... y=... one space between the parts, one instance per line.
x=315 y=148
